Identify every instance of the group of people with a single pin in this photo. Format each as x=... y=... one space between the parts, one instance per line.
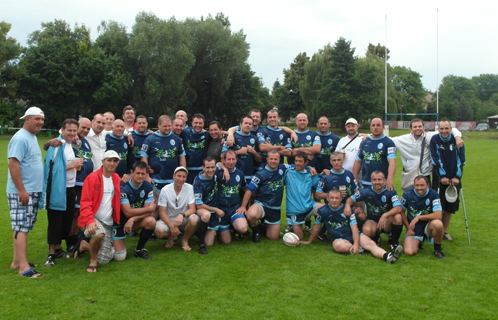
x=106 y=179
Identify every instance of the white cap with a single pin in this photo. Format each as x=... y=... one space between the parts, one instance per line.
x=180 y=168
x=33 y=111
x=351 y=120
x=451 y=194
x=109 y=154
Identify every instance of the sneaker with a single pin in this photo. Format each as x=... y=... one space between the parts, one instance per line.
x=393 y=246
x=50 y=261
x=394 y=255
x=142 y=253
x=361 y=250
x=152 y=237
x=255 y=237
x=288 y=229
x=61 y=254
x=447 y=237
x=322 y=237
x=308 y=229
x=203 y=250
x=439 y=254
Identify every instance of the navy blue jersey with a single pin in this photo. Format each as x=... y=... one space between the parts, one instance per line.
x=134 y=154
x=329 y=143
x=195 y=145
x=135 y=197
x=338 y=225
x=377 y=203
x=416 y=205
x=335 y=180
x=275 y=137
x=374 y=155
x=305 y=139
x=447 y=159
x=120 y=145
x=85 y=152
x=163 y=154
x=270 y=184
x=205 y=190
x=245 y=162
x=229 y=191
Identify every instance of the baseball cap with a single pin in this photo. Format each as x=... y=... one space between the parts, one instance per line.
x=451 y=194
x=33 y=111
x=180 y=168
x=351 y=120
x=111 y=154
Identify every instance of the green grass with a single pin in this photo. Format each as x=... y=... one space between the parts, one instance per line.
x=269 y=280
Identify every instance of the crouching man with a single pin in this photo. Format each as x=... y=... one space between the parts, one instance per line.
x=342 y=228
x=137 y=197
x=99 y=210
x=423 y=217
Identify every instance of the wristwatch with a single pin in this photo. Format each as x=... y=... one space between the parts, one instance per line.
x=183 y=214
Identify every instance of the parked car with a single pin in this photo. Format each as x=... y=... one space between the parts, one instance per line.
x=482 y=127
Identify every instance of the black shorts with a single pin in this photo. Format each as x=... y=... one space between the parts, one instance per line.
x=448 y=206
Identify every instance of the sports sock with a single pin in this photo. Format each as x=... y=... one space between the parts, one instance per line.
x=144 y=237
x=396 y=232
x=437 y=246
x=307 y=223
x=262 y=228
x=202 y=232
x=323 y=229
x=375 y=238
x=385 y=256
x=255 y=229
x=360 y=224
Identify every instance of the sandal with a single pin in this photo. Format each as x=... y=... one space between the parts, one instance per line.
x=31 y=273
x=93 y=268
x=76 y=252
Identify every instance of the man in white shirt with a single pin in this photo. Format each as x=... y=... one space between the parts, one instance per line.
x=96 y=139
x=177 y=210
x=349 y=145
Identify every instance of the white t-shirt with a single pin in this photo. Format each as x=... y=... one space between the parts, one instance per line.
x=168 y=199
x=351 y=151
x=71 y=173
x=104 y=213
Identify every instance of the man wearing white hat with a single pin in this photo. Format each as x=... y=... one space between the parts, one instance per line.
x=24 y=185
x=99 y=210
x=349 y=145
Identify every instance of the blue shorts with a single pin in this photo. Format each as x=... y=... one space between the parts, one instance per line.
x=421 y=233
x=117 y=233
x=229 y=217
x=270 y=215
x=383 y=228
x=214 y=221
x=78 y=189
x=345 y=237
x=296 y=220
x=23 y=217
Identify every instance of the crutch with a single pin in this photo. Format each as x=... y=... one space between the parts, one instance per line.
x=465 y=215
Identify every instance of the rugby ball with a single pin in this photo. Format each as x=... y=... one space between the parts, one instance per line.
x=291 y=239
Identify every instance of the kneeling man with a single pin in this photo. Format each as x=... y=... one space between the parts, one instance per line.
x=137 y=206
x=423 y=217
x=343 y=231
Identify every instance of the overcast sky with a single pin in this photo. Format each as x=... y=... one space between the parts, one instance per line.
x=278 y=30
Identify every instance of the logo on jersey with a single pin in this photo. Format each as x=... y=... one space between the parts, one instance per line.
x=256 y=180
x=329 y=141
x=87 y=146
x=427 y=201
x=348 y=180
x=142 y=193
x=281 y=136
x=391 y=150
x=403 y=201
x=172 y=142
x=280 y=172
x=198 y=196
x=237 y=178
x=308 y=137
x=451 y=147
x=151 y=194
x=202 y=137
x=251 y=140
x=145 y=147
x=380 y=145
x=125 y=145
x=436 y=202
x=394 y=198
x=383 y=198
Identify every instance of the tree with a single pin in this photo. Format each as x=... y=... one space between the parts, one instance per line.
x=409 y=89
x=451 y=91
x=289 y=95
x=486 y=85
x=10 y=50
x=378 y=50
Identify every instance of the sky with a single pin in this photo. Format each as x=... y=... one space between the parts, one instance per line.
x=433 y=38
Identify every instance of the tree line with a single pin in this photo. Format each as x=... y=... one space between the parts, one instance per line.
x=201 y=66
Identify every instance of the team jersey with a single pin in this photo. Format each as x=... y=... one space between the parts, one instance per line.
x=275 y=137
x=270 y=184
x=335 y=180
x=134 y=154
x=84 y=151
x=259 y=132
x=163 y=152
x=196 y=146
x=245 y=162
x=305 y=139
x=135 y=197
x=338 y=225
x=377 y=203
x=205 y=190
x=447 y=159
x=329 y=143
x=374 y=155
x=229 y=191
x=298 y=191
x=120 y=145
x=416 y=205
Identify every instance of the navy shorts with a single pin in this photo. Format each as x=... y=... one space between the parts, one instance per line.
x=229 y=217
x=270 y=215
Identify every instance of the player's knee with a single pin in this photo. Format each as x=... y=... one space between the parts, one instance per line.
x=397 y=219
x=160 y=233
x=120 y=256
x=193 y=219
x=150 y=223
x=437 y=225
x=409 y=251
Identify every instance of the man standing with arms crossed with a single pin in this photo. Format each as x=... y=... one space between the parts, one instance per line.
x=24 y=185
x=307 y=141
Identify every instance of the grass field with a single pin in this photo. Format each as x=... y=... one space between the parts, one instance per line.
x=268 y=280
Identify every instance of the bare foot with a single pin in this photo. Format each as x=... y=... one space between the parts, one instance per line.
x=169 y=244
